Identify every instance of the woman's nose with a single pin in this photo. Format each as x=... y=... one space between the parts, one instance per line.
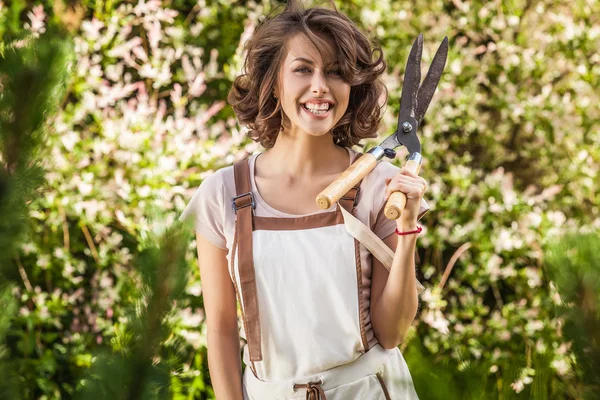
x=319 y=83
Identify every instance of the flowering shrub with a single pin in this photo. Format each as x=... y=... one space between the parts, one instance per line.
x=510 y=153
x=121 y=147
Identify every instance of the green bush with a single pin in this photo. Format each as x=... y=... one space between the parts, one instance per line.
x=510 y=146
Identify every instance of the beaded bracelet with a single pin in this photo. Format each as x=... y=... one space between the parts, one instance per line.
x=418 y=230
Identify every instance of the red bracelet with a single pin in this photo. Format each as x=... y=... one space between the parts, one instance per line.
x=418 y=230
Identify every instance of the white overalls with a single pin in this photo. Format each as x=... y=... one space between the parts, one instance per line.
x=298 y=281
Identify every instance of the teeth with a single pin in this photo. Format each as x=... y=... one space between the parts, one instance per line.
x=314 y=107
x=315 y=111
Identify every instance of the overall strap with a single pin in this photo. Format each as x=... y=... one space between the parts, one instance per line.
x=347 y=204
x=349 y=200
x=243 y=206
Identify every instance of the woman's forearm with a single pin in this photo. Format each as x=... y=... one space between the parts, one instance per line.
x=396 y=307
x=225 y=366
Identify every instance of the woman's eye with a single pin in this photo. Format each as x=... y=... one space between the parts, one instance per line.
x=335 y=71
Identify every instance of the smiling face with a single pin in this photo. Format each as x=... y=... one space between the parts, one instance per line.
x=307 y=82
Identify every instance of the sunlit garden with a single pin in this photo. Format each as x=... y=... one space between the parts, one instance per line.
x=113 y=112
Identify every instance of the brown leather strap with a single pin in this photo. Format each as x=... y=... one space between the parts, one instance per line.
x=349 y=200
x=244 y=202
x=237 y=290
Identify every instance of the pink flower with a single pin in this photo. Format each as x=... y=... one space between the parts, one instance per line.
x=518 y=386
x=91 y=29
x=36 y=16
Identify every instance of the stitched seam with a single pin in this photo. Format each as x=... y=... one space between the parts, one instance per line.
x=361 y=313
x=237 y=292
x=222 y=201
x=383 y=387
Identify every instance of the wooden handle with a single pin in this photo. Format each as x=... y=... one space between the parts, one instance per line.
x=347 y=179
x=397 y=200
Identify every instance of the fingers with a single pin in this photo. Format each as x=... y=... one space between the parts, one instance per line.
x=411 y=189
x=407 y=182
x=400 y=178
x=407 y=171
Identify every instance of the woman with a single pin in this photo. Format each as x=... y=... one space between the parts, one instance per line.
x=322 y=318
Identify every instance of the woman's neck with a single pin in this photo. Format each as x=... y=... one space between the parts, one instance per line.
x=304 y=158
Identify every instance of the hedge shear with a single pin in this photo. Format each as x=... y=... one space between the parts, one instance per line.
x=413 y=104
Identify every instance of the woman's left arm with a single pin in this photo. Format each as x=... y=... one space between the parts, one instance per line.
x=394 y=298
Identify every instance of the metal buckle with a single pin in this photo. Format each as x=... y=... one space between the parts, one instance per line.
x=252 y=203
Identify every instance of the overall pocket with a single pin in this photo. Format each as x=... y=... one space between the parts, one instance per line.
x=368 y=387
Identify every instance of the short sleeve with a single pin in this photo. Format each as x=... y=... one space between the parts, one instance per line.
x=383 y=226
x=205 y=211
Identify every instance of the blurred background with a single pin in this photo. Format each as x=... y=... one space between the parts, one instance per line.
x=112 y=113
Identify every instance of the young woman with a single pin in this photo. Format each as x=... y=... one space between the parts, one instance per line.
x=322 y=318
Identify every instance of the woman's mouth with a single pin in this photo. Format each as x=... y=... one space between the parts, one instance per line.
x=318 y=113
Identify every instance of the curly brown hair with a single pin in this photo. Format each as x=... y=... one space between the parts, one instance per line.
x=251 y=95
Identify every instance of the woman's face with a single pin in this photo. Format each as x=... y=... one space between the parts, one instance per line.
x=307 y=82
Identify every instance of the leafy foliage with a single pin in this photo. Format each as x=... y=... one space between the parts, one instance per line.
x=511 y=154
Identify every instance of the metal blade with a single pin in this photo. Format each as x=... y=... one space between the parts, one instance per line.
x=431 y=81
x=410 y=140
x=399 y=138
x=416 y=98
x=412 y=79
x=391 y=142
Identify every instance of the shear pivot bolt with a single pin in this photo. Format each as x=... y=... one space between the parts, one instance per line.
x=406 y=127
